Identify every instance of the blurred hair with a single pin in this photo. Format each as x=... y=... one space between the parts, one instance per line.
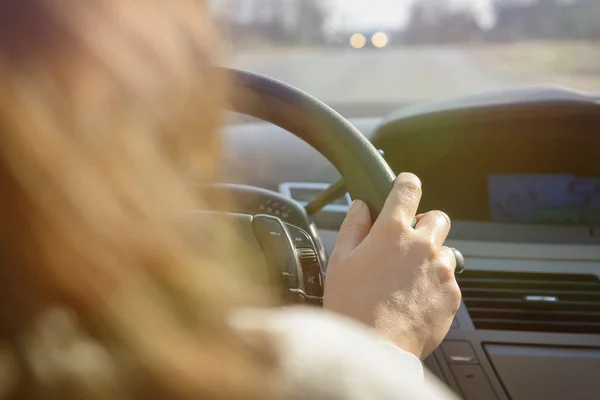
x=108 y=110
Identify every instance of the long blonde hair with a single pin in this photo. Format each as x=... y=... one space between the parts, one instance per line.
x=108 y=109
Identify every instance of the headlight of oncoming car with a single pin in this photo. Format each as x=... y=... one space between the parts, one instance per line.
x=358 y=40
x=380 y=40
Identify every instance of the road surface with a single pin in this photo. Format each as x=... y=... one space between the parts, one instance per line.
x=394 y=75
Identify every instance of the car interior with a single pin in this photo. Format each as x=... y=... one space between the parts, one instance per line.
x=516 y=170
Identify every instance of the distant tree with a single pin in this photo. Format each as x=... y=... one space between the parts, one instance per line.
x=549 y=19
x=434 y=22
x=583 y=20
x=458 y=27
x=310 y=18
x=422 y=21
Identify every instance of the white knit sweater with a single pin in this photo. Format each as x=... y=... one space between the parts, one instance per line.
x=328 y=357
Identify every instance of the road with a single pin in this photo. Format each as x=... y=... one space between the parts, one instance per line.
x=394 y=75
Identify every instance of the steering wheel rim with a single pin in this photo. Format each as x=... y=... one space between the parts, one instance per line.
x=366 y=174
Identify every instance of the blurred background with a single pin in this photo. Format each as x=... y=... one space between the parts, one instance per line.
x=368 y=57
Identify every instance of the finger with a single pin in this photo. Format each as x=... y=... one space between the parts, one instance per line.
x=417 y=219
x=354 y=230
x=436 y=225
x=448 y=279
x=403 y=201
x=447 y=263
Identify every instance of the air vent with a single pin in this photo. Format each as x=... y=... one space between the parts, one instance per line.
x=510 y=301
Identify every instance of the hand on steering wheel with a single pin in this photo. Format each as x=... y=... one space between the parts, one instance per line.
x=396 y=278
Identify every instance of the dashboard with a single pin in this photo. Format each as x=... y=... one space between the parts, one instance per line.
x=519 y=173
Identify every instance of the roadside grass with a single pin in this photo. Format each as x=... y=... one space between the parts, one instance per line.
x=572 y=64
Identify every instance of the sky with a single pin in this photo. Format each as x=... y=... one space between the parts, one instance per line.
x=390 y=14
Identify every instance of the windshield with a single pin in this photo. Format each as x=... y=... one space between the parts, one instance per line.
x=373 y=56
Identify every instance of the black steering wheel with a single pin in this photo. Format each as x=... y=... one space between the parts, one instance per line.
x=366 y=174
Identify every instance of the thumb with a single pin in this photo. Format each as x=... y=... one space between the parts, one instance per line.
x=354 y=230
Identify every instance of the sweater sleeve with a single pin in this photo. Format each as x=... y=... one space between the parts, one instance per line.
x=409 y=362
x=325 y=356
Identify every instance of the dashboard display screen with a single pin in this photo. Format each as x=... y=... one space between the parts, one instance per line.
x=544 y=199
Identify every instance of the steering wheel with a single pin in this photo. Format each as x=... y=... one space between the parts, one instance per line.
x=289 y=251
x=366 y=174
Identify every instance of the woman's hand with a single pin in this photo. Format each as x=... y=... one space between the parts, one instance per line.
x=396 y=278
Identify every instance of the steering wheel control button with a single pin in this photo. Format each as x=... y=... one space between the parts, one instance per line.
x=313 y=278
x=459 y=352
x=279 y=251
x=299 y=237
